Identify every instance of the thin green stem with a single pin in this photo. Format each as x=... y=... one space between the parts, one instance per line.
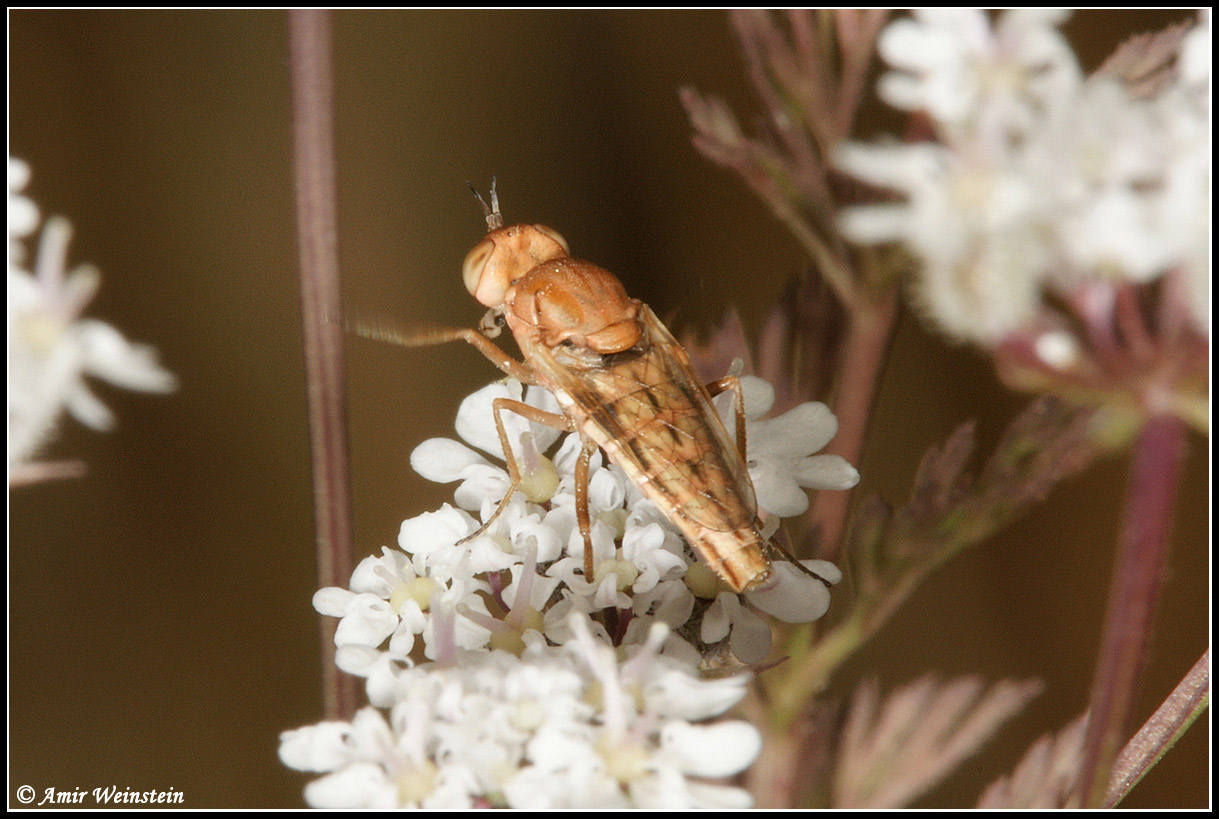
x=809 y=667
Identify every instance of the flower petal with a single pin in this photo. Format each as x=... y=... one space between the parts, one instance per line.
x=683 y=695
x=795 y=597
x=321 y=747
x=802 y=430
x=362 y=785
x=476 y=419
x=332 y=601
x=716 y=750
x=717 y=619
x=108 y=355
x=777 y=492
x=444 y=460
x=709 y=797
x=367 y=621
x=825 y=472
x=751 y=637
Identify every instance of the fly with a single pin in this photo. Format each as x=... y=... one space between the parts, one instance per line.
x=624 y=384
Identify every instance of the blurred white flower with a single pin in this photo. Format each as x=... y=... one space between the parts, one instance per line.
x=22 y=213
x=51 y=349
x=972 y=220
x=1126 y=179
x=972 y=78
x=1037 y=179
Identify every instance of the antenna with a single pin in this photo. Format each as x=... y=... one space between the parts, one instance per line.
x=495 y=219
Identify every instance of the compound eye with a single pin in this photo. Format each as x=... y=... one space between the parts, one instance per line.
x=553 y=234
x=476 y=261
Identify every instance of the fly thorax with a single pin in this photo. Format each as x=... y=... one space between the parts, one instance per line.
x=574 y=304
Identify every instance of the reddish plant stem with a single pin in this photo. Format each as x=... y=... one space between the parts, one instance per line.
x=1142 y=552
x=325 y=372
x=869 y=331
x=1157 y=736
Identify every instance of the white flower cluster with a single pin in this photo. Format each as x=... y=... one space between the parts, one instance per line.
x=1038 y=177
x=542 y=688
x=555 y=727
x=50 y=347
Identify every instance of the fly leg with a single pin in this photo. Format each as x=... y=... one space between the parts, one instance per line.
x=427 y=336
x=549 y=419
x=731 y=382
x=582 y=516
x=561 y=422
x=773 y=543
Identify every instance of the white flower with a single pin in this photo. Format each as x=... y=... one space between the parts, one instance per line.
x=636 y=698
x=791 y=595
x=536 y=687
x=461 y=586
x=1195 y=59
x=390 y=601
x=443 y=460
x=973 y=220
x=1186 y=197
x=52 y=349
x=968 y=76
x=387 y=599
x=654 y=552
x=1037 y=179
x=557 y=727
x=371 y=765
x=1113 y=168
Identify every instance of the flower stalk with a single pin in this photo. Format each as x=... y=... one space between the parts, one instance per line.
x=868 y=336
x=1142 y=556
x=313 y=165
x=1169 y=723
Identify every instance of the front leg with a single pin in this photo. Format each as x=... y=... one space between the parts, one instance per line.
x=427 y=336
x=582 y=516
x=549 y=419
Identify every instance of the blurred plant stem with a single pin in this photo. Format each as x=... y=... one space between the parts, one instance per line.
x=1142 y=555
x=313 y=164
x=775 y=782
x=869 y=332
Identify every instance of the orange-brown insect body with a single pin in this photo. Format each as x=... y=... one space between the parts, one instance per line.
x=626 y=384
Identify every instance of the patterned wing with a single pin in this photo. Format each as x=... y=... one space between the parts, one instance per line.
x=653 y=416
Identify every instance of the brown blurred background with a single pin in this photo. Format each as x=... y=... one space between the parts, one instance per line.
x=160 y=627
